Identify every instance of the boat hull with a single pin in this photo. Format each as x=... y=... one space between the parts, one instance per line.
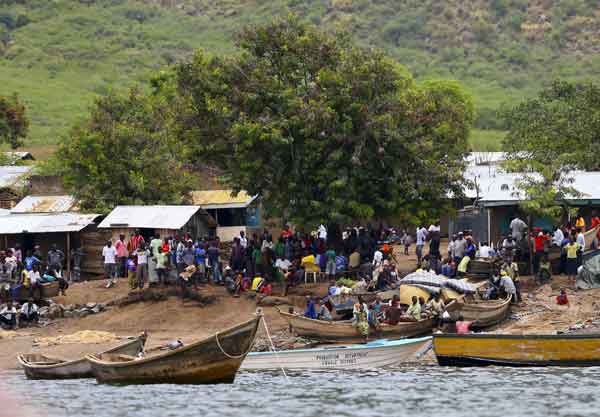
x=517 y=350
x=80 y=368
x=332 y=331
x=483 y=313
x=376 y=355
x=215 y=359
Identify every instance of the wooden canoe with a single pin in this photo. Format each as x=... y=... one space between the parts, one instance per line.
x=38 y=366
x=215 y=359
x=344 y=331
x=484 y=313
x=517 y=350
x=376 y=354
x=47 y=290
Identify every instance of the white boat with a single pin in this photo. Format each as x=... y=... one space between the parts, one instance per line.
x=376 y=354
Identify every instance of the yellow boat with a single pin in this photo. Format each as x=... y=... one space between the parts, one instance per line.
x=517 y=350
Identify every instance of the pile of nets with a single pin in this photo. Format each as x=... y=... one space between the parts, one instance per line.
x=433 y=283
x=84 y=336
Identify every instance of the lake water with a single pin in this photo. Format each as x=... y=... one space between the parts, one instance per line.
x=415 y=391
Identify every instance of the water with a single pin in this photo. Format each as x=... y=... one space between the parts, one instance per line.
x=421 y=391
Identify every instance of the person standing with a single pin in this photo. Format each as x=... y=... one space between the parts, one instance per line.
x=421 y=237
x=572 y=250
x=243 y=240
x=121 y=248
x=237 y=255
x=155 y=243
x=330 y=267
x=539 y=246
x=213 y=261
x=110 y=263
x=141 y=272
x=56 y=258
x=460 y=246
x=135 y=241
x=162 y=260
x=518 y=227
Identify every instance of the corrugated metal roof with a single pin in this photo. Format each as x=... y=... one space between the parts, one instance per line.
x=13 y=176
x=495 y=185
x=215 y=199
x=45 y=204
x=44 y=223
x=15 y=156
x=485 y=158
x=150 y=217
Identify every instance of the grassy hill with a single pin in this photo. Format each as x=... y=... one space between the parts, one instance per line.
x=59 y=54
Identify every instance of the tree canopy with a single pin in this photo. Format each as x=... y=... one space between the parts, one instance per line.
x=14 y=123
x=124 y=153
x=550 y=136
x=322 y=129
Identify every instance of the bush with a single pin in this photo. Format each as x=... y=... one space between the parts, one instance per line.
x=8 y=20
x=22 y=20
x=488 y=119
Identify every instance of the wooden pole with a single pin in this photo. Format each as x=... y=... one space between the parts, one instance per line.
x=69 y=255
x=5 y=242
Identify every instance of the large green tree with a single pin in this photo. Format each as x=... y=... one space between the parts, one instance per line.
x=322 y=129
x=549 y=137
x=14 y=123
x=123 y=153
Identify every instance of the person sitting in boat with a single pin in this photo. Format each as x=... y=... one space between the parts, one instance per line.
x=508 y=286
x=29 y=312
x=414 y=311
x=436 y=307
x=376 y=310
x=323 y=312
x=462 y=326
x=310 y=310
x=361 y=320
x=8 y=315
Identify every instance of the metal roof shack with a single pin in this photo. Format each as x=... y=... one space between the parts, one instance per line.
x=219 y=199
x=46 y=204
x=13 y=224
x=152 y=217
x=14 y=176
x=16 y=156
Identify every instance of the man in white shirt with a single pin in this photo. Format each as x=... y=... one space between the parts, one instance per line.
x=484 y=250
x=8 y=315
x=421 y=237
x=29 y=312
x=322 y=231
x=110 y=263
x=558 y=237
x=435 y=227
x=243 y=240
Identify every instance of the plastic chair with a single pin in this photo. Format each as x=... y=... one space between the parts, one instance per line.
x=311 y=270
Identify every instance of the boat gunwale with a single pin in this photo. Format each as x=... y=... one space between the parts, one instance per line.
x=514 y=336
x=345 y=323
x=25 y=363
x=389 y=344
x=95 y=360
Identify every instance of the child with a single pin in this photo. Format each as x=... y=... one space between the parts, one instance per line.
x=406 y=241
x=131 y=269
x=545 y=271
x=562 y=299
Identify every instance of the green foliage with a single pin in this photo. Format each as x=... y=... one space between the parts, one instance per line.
x=548 y=137
x=324 y=130
x=14 y=123
x=86 y=47
x=123 y=153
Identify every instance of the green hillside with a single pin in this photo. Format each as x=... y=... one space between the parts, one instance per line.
x=59 y=54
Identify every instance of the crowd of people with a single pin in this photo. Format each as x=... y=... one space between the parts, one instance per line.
x=28 y=271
